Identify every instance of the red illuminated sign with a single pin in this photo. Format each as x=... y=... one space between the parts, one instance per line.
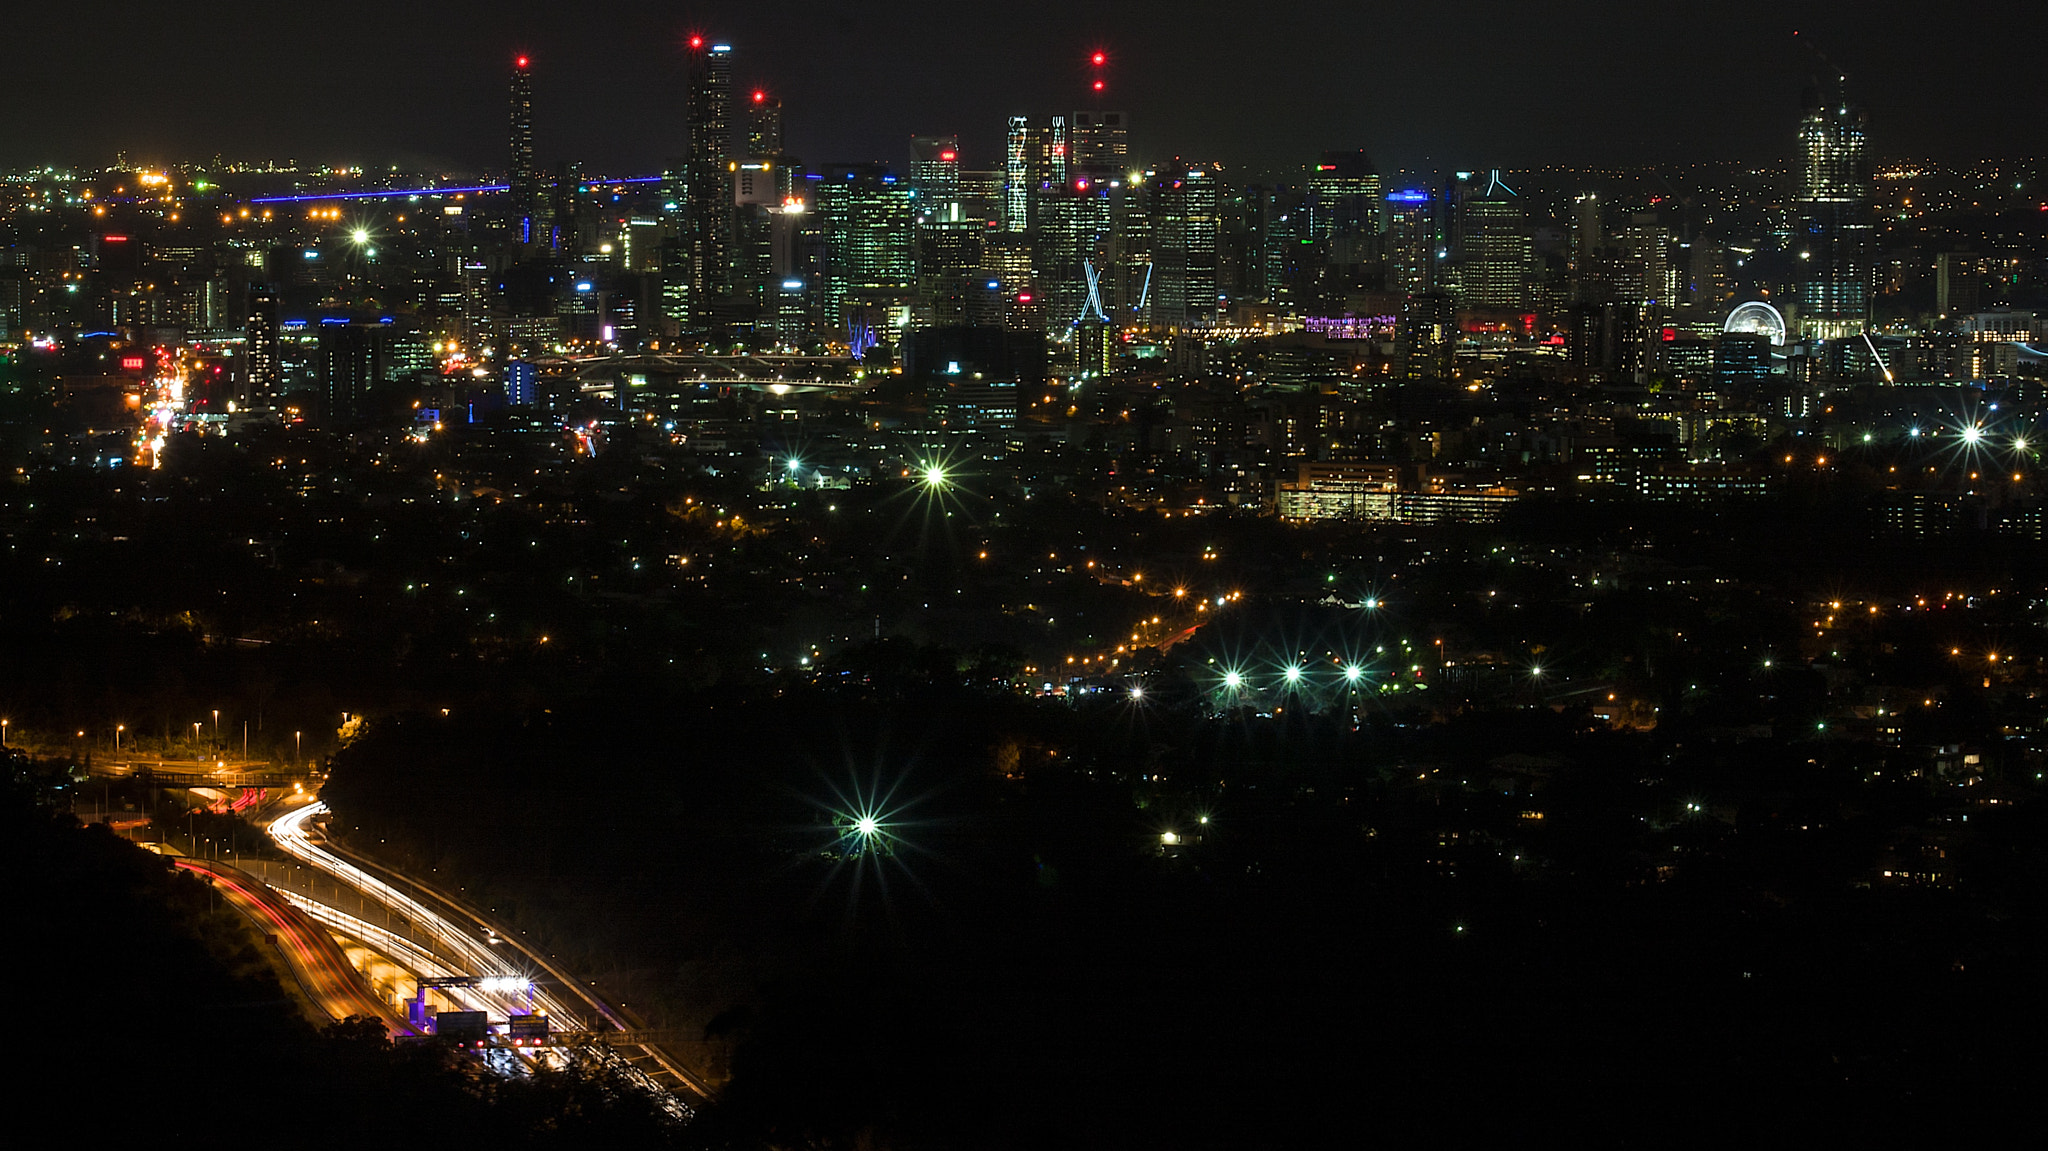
x=133 y=363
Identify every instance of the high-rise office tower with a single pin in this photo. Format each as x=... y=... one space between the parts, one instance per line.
x=708 y=212
x=1070 y=250
x=354 y=359
x=1267 y=228
x=1643 y=272
x=869 y=256
x=1098 y=142
x=1018 y=146
x=1338 y=223
x=1053 y=152
x=764 y=125
x=1832 y=245
x=528 y=198
x=1184 y=240
x=1343 y=196
x=260 y=337
x=1489 y=243
x=935 y=176
x=1425 y=342
x=1959 y=279
x=1413 y=237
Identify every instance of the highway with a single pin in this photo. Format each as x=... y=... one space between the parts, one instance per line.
x=461 y=941
x=323 y=971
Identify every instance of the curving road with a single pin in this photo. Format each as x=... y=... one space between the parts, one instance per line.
x=323 y=972
x=464 y=942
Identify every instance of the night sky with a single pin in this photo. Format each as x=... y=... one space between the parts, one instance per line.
x=1420 y=85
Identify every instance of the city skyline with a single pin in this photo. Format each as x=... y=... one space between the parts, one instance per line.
x=1598 y=83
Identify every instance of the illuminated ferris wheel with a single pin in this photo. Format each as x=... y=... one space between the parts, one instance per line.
x=1757 y=318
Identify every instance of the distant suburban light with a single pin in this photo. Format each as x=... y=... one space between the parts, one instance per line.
x=2020 y=444
x=934 y=475
x=1372 y=603
x=1972 y=434
x=1232 y=679
x=1293 y=673
x=1137 y=693
x=866 y=825
x=1353 y=673
x=360 y=236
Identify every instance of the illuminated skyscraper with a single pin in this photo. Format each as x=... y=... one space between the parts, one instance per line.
x=764 y=125
x=261 y=340
x=1412 y=241
x=1344 y=197
x=1832 y=245
x=869 y=259
x=1070 y=251
x=935 y=176
x=1489 y=243
x=529 y=202
x=1018 y=146
x=708 y=215
x=1098 y=141
x=1184 y=235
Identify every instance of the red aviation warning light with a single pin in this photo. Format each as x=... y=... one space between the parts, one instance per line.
x=696 y=41
x=760 y=97
x=521 y=62
x=1098 y=85
x=1098 y=60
